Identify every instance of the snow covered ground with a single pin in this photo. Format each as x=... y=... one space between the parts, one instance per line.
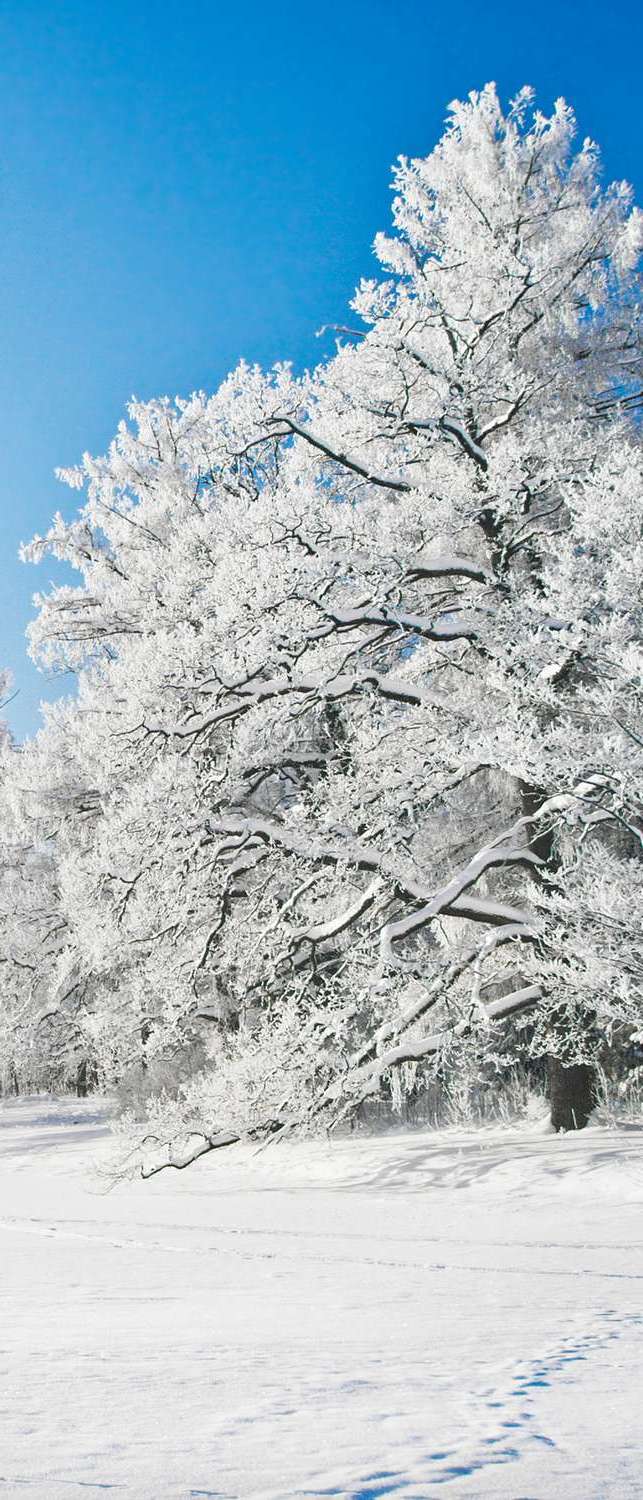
x=416 y=1314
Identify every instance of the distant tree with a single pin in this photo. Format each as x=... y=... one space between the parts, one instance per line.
x=38 y=1035
x=353 y=776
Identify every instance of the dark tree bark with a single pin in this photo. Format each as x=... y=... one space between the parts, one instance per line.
x=572 y=1086
x=572 y=1093
x=86 y=1078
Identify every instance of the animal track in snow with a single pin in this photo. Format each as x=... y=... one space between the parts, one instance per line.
x=513 y=1426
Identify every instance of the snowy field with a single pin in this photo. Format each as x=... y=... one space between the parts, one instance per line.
x=416 y=1314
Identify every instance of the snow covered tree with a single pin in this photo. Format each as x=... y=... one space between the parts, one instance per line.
x=40 y=1044
x=355 y=758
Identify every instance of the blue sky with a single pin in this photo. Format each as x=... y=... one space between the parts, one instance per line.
x=184 y=185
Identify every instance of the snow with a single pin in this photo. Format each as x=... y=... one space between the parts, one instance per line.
x=418 y=1313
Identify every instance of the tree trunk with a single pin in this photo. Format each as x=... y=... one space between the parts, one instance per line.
x=86 y=1078
x=572 y=1094
x=572 y=1088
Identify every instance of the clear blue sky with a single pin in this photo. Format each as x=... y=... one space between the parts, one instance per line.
x=185 y=184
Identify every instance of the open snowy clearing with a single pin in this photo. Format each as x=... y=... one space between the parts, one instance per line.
x=414 y=1314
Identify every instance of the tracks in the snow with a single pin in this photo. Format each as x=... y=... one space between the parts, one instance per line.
x=506 y=1417
x=58 y=1230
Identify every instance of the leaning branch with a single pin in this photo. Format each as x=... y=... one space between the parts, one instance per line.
x=339 y=458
